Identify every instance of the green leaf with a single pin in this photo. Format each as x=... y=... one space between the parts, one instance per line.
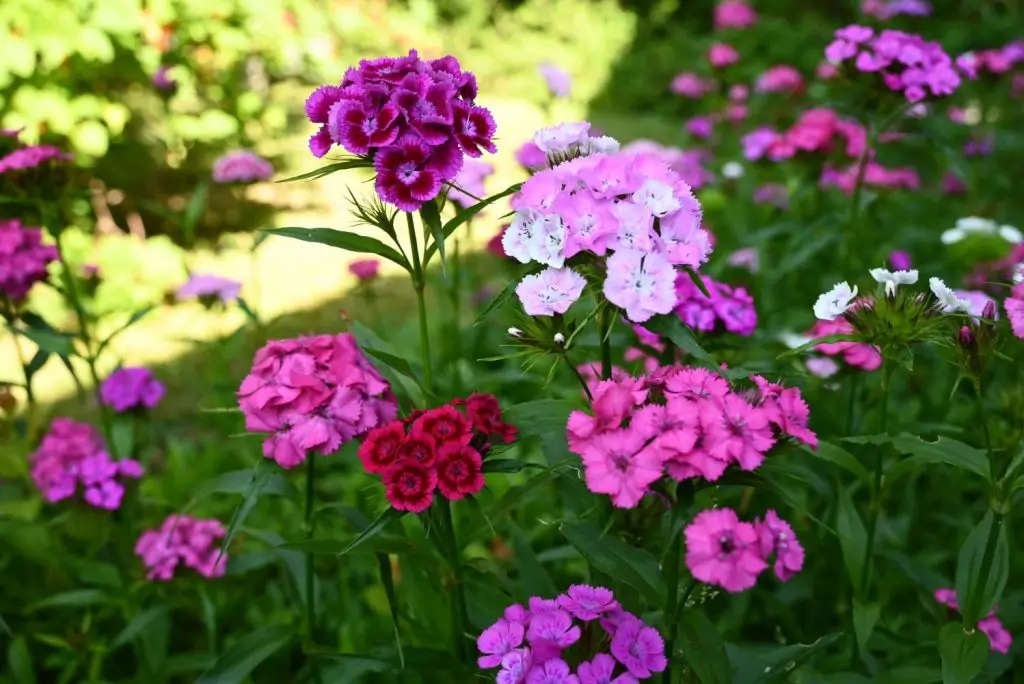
x=376 y=527
x=76 y=598
x=976 y=594
x=865 y=617
x=123 y=435
x=508 y=465
x=533 y=578
x=344 y=165
x=943 y=450
x=246 y=654
x=963 y=655
x=36 y=364
x=703 y=648
x=388 y=580
x=351 y=242
x=499 y=301
x=132 y=320
x=430 y=215
x=698 y=281
x=910 y=674
x=546 y=419
x=842 y=458
x=259 y=478
x=137 y=626
x=4 y=627
x=509 y=501
x=239 y=481
x=465 y=215
x=19 y=661
x=614 y=557
x=751 y=666
x=853 y=538
x=194 y=210
x=45 y=336
x=679 y=334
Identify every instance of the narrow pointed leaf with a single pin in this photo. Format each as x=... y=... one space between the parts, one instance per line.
x=430 y=215
x=773 y=664
x=351 y=242
x=497 y=302
x=237 y=662
x=137 y=625
x=344 y=165
x=132 y=320
x=388 y=580
x=194 y=210
x=466 y=214
x=680 y=335
x=852 y=536
x=376 y=527
x=614 y=557
x=976 y=594
x=703 y=648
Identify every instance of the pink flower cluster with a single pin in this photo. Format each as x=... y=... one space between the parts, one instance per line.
x=241 y=166
x=856 y=354
x=204 y=286
x=72 y=454
x=131 y=388
x=999 y=638
x=815 y=130
x=996 y=61
x=23 y=259
x=775 y=194
x=734 y=14
x=30 y=157
x=728 y=307
x=875 y=175
x=1014 y=305
x=907 y=63
x=528 y=642
x=688 y=164
x=313 y=394
x=630 y=209
x=438 y=449
x=691 y=85
x=887 y=9
x=182 y=540
x=726 y=552
x=416 y=119
x=721 y=55
x=686 y=421
x=989 y=274
x=781 y=78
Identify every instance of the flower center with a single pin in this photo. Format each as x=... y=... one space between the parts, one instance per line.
x=727 y=546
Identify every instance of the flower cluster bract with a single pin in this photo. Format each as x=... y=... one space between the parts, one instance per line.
x=438 y=449
x=72 y=455
x=313 y=394
x=631 y=209
x=241 y=166
x=23 y=259
x=416 y=119
x=131 y=388
x=528 y=642
x=182 y=540
x=685 y=421
x=724 y=551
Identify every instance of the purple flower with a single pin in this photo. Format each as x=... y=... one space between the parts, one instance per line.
x=202 y=285
x=550 y=292
x=162 y=79
x=514 y=666
x=129 y=388
x=497 y=641
x=776 y=536
x=900 y=260
x=23 y=259
x=586 y=602
x=558 y=80
x=554 y=671
x=31 y=157
x=365 y=269
x=639 y=647
x=470 y=182
x=549 y=632
x=601 y=670
x=241 y=166
x=474 y=129
x=406 y=174
x=368 y=122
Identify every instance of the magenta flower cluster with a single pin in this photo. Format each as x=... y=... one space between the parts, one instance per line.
x=468 y=187
x=857 y=354
x=528 y=642
x=724 y=551
x=131 y=388
x=686 y=422
x=996 y=61
x=907 y=63
x=71 y=456
x=31 y=157
x=731 y=308
x=313 y=394
x=1014 y=305
x=416 y=119
x=875 y=175
x=999 y=638
x=241 y=166
x=630 y=213
x=23 y=259
x=182 y=540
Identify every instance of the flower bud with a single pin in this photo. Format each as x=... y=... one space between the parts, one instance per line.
x=989 y=311
x=515 y=332
x=966 y=337
x=559 y=339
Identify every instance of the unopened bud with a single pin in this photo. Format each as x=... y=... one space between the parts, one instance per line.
x=515 y=332
x=989 y=311
x=559 y=339
x=966 y=337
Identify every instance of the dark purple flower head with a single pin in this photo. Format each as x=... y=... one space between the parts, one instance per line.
x=130 y=388
x=390 y=70
x=360 y=125
x=241 y=166
x=427 y=107
x=23 y=259
x=474 y=129
x=31 y=157
x=404 y=174
x=162 y=80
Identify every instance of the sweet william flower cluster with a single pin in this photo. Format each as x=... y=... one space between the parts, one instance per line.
x=727 y=307
x=313 y=394
x=529 y=642
x=629 y=213
x=686 y=422
x=416 y=119
x=182 y=541
x=71 y=459
x=23 y=259
x=131 y=388
x=440 y=449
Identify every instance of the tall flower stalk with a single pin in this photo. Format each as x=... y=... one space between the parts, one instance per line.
x=876 y=487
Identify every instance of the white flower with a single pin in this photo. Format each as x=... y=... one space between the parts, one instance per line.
x=793 y=340
x=604 y=144
x=732 y=170
x=893 y=279
x=835 y=302
x=1011 y=234
x=515 y=332
x=1018 y=274
x=658 y=197
x=520 y=236
x=947 y=297
x=559 y=139
x=559 y=339
x=548 y=243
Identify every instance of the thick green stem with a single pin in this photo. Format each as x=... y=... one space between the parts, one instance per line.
x=23 y=362
x=876 y=489
x=419 y=284
x=310 y=525
x=605 y=322
x=459 y=613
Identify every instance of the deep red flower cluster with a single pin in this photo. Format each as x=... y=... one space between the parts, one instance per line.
x=441 y=448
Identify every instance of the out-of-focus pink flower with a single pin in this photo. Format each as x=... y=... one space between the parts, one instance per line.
x=182 y=541
x=721 y=55
x=700 y=126
x=23 y=259
x=162 y=78
x=31 y=157
x=531 y=157
x=952 y=184
x=689 y=84
x=775 y=194
x=746 y=258
x=131 y=388
x=779 y=78
x=999 y=638
x=900 y=260
x=558 y=80
x=875 y=175
x=826 y=71
x=365 y=269
x=203 y=285
x=241 y=166
x=734 y=14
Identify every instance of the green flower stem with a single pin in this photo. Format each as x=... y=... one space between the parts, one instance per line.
x=673 y=565
x=23 y=362
x=579 y=376
x=419 y=284
x=876 y=489
x=604 y=324
x=459 y=613
x=310 y=524
x=988 y=556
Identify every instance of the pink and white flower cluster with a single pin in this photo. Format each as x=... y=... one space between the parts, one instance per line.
x=416 y=119
x=689 y=164
x=686 y=422
x=182 y=540
x=71 y=456
x=630 y=212
x=528 y=642
x=907 y=63
x=731 y=308
x=313 y=394
x=23 y=259
x=724 y=551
